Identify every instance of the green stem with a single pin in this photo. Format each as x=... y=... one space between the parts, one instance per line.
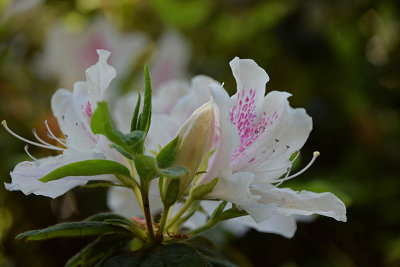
x=163 y=221
x=146 y=208
x=205 y=227
x=187 y=205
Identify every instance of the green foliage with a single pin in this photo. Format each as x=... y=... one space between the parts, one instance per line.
x=102 y=124
x=134 y=121
x=145 y=119
x=167 y=155
x=98 y=249
x=147 y=168
x=201 y=190
x=171 y=194
x=72 y=229
x=87 y=168
x=174 y=254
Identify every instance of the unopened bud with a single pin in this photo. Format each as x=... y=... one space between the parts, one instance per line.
x=196 y=138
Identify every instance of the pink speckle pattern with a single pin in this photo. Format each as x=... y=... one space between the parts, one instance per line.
x=243 y=115
x=87 y=112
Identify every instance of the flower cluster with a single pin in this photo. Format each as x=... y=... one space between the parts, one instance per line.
x=188 y=151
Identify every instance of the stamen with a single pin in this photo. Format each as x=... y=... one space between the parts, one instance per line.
x=4 y=123
x=51 y=133
x=315 y=156
x=29 y=154
x=38 y=138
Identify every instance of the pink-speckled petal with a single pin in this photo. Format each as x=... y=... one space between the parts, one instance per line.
x=281 y=131
x=70 y=111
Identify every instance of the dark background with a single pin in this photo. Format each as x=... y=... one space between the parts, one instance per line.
x=339 y=59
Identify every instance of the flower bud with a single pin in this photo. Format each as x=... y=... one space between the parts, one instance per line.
x=196 y=137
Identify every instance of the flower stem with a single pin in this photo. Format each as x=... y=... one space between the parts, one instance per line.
x=187 y=205
x=163 y=221
x=211 y=223
x=146 y=208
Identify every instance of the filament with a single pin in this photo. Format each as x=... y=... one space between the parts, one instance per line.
x=4 y=123
x=29 y=154
x=51 y=133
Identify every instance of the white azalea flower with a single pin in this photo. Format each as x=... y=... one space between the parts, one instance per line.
x=258 y=136
x=75 y=48
x=73 y=111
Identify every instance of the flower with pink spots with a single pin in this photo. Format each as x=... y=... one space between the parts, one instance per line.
x=257 y=137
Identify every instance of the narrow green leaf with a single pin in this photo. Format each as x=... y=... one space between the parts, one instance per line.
x=201 y=190
x=167 y=155
x=122 y=151
x=102 y=124
x=94 y=184
x=87 y=168
x=72 y=229
x=136 y=114
x=231 y=213
x=218 y=210
x=100 y=217
x=96 y=250
x=172 y=194
x=147 y=168
x=146 y=115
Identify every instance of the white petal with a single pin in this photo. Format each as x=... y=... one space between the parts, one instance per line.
x=163 y=129
x=122 y=201
x=123 y=111
x=285 y=133
x=167 y=95
x=69 y=108
x=171 y=58
x=235 y=189
x=277 y=224
x=99 y=77
x=304 y=203
x=226 y=137
x=26 y=174
x=197 y=95
x=251 y=80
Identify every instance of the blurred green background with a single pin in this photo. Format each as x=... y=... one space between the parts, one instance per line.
x=340 y=60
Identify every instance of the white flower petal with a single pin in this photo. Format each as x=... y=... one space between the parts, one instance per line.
x=303 y=203
x=26 y=174
x=171 y=58
x=122 y=201
x=277 y=224
x=69 y=108
x=251 y=80
x=99 y=77
x=163 y=129
x=198 y=94
x=167 y=95
x=286 y=131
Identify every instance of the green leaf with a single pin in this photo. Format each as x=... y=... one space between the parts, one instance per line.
x=102 y=124
x=147 y=168
x=94 y=184
x=98 y=249
x=146 y=114
x=72 y=229
x=172 y=193
x=231 y=213
x=201 y=190
x=100 y=217
x=173 y=254
x=167 y=155
x=173 y=172
x=87 y=168
x=134 y=121
x=218 y=210
x=122 y=151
